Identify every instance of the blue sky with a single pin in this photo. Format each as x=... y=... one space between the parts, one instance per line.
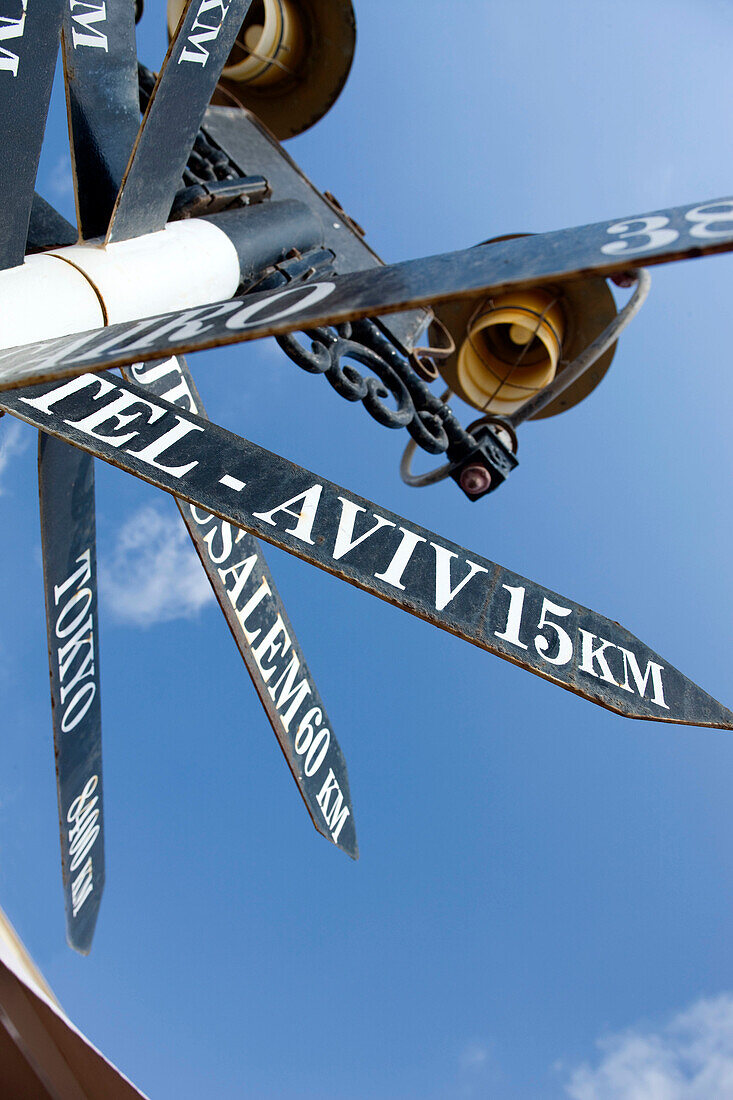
x=542 y=903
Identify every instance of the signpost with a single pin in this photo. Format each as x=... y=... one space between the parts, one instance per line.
x=99 y=51
x=376 y=550
x=66 y=482
x=605 y=248
x=240 y=578
x=230 y=492
x=181 y=94
x=29 y=43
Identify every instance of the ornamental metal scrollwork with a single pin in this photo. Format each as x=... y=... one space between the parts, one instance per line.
x=429 y=420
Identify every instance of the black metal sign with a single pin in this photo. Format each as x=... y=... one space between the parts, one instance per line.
x=241 y=580
x=186 y=82
x=29 y=41
x=601 y=249
x=100 y=70
x=66 y=482
x=376 y=550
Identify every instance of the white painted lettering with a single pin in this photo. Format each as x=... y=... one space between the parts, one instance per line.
x=290 y=692
x=203 y=31
x=303 y=296
x=588 y=655
x=68 y=652
x=80 y=594
x=304 y=735
x=241 y=572
x=115 y=411
x=443 y=591
x=652 y=669
x=154 y=450
x=94 y=13
x=78 y=707
x=305 y=517
x=336 y=813
x=58 y=393
x=251 y=604
x=11 y=28
x=82 y=575
x=86 y=668
x=345 y=540
x=81 y=887
x=268 y=648
x=317 y=752
x=393 y=573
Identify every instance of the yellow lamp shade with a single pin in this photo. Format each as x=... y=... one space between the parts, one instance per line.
x=511 y=351
x=289 y=61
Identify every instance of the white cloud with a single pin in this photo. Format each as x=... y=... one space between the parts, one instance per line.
x=58 y=179
x=14 y=439
x=154 y=575
x=473 y=1056
x=689 y=1058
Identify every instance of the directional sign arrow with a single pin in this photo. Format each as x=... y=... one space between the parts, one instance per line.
x=100 y=75
x=239 y=575
x=100 y=70
x=30 y=32
x=66 y=484
x=601 y=249
x=186 y=82
x=367 y=546
x=68 y=543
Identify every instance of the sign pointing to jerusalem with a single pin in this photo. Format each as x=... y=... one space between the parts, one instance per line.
x=291 y=700
x=376 y=550
x=605 y=248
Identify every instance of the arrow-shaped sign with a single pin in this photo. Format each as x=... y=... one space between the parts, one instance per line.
x=376 y=550
x=66 y=485
x=100 y=75
x=601 y=249
x=186 y=82
x=30 y=32
x=236 y=567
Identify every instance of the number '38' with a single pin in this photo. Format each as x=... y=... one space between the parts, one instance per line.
x=646 y=234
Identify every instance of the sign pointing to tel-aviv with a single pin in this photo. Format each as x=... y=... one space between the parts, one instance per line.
x=376 y=550
x=605 y=248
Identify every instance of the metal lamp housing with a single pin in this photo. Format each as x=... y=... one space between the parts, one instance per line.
x=510 y=346
x=289 y=63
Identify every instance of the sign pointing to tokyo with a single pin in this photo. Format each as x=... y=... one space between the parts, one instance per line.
x=378 y=551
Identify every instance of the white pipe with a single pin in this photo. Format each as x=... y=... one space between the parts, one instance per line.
x=189 y=263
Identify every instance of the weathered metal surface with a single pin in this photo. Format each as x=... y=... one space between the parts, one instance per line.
x=251 y=145
x=66 y=485
x=100 y=71
x=430 y=421
x=68 y=542
x=604 y=248
x=380 y=552
x=182 y=92
x=239 y=576
x=47 y=228
x=29 y=40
